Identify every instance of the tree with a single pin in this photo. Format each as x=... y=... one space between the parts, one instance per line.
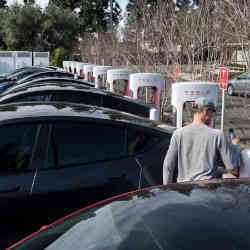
x=23 y=26
x=29 y=2
x=3 y=13
x=60 y=28
x=3 y=3
x=59 y=55
x=71 y=4
x=95 y=15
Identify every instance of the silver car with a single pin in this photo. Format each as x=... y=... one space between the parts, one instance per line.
x=239 y=85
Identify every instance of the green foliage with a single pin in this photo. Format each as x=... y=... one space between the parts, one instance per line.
x=95 y=15
x=3 y=3
x=60 y=28
x=59 y=55
x=29 y=1
x=23 y=25
x=2 y=28
x=71 y=4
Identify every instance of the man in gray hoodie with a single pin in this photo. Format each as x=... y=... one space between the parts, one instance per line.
x=195 y=149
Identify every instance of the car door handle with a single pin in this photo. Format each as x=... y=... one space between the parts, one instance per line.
x=10 y=190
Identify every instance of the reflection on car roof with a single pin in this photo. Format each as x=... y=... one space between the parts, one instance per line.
x=58 y=109
x=60 y=86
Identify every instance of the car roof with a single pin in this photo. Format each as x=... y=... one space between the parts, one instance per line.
x=65 y=110
x=204 y=215
x=57 y=86
x=38 y=73
x=49 y=79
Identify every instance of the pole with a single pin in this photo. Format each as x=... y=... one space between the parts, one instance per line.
x=222 y=109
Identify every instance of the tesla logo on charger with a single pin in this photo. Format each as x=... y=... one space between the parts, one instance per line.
x=197 y=92
x=223 y=78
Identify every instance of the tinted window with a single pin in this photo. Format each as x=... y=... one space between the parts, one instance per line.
x=125 y=106
x=76 y=97
x=59 y=74
x=140 y=141
x=16 y=146
x=22 y=75
x=29 y=98
x=79 y=143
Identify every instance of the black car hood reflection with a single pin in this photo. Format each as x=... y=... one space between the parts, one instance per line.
x=209 y=216
x=63 y=86
x=58 y=109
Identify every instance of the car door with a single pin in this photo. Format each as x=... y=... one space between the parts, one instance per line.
x=87 y=162
x=17 y=146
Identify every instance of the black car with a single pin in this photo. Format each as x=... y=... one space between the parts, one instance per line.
x=75 y=93
x=50 y=80
x=49 y=73
x=211 y=215
x=11 y=79
x=58 y=157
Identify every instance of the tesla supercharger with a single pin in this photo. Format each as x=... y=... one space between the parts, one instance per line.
x=79 y=68
x=66 y=66
x=99 y=73
x=7 y=61
x=73 y=67
x=183 y=92
x=154 y=80
x=88 y=72
x=118 y=74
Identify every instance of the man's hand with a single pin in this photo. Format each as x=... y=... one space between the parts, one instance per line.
x=235 y=140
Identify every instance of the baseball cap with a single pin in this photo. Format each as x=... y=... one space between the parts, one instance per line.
x=202 y=103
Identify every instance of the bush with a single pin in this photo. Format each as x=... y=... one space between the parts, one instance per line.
x=60 y=55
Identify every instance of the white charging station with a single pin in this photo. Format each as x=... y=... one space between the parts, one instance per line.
x=88 y=71
x=66 y=66
x=189 y=91
x=80 y=68
x=100 y=71
x=155 y=80
x=117 y=74
x=73 y=67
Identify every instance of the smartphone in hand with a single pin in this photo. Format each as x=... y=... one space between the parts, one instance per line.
x=231 y=133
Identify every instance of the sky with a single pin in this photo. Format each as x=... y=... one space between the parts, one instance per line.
x=44 y=3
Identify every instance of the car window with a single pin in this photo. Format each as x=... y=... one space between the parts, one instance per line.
x=16 y=146
x=22 y=75
x=244 y=76
x=73 y=144
x=139 y=141
x=76 y=97
x=59 y=74
x=125 y=106
x=29 y=98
